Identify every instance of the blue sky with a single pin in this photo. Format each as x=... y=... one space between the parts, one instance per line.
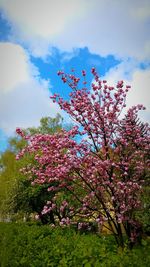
x=39 y=37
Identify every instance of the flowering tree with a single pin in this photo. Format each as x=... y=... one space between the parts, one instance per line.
x=103 y=173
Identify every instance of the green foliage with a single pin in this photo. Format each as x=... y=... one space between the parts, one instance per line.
x=11 y=180
x=34 y=245
x=48 y=125
x=143 y=215
x=7 y=180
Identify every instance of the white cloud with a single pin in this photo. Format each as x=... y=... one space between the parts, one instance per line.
x=124 y=70
x=140 y=92
x=38 y=22
x=142 y=12
x=13 y=66
x=105 y=26
x=24 y=97
x=43 y=18
x=25 y=106
x=140 y=85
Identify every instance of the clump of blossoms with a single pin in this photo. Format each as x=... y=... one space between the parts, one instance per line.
x=105 y=172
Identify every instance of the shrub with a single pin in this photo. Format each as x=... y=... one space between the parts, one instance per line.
x=31 y=245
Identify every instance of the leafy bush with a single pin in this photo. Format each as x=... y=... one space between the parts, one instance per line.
x=31 y=245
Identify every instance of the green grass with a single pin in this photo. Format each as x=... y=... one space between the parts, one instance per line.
x=41 y=246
